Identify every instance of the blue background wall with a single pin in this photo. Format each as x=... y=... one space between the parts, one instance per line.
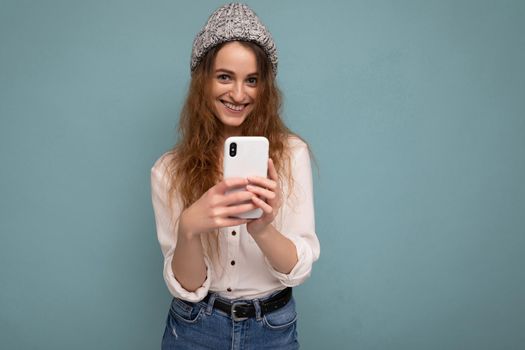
x=414 y=109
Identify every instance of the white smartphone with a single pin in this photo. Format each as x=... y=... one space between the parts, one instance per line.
x=246 y=156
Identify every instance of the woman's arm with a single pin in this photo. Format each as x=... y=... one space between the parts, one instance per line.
x=188 y=260
x=290 y=250
x=186 y=269
x=279 y=250
x=211 y=211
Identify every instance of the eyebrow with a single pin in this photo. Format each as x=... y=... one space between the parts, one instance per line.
x=231 y=72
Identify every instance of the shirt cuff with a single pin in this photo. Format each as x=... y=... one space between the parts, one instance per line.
x=302 y=268
x=178 y=291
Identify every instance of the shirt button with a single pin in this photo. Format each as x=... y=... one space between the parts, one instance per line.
x=233 y=262
x=229 y=289
x=234 y=233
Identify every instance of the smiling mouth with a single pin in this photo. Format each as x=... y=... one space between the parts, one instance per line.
x=234 y=107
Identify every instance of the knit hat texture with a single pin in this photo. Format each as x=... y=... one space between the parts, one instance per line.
x=231 y=22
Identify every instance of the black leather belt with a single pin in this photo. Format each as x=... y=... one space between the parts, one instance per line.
x=241 y=310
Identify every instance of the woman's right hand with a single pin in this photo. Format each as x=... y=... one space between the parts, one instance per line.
x=214 y=208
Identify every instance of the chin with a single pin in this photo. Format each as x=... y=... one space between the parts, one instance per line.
x=233 y=121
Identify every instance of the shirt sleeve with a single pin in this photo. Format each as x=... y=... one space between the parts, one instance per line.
x=298 y=221
x=167 y=229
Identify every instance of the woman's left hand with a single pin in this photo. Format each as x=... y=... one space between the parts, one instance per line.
x=269 y=189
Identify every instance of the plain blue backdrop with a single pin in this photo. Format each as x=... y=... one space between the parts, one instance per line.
x=414 y=110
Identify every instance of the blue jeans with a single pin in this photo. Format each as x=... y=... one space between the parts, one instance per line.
x=195 y=326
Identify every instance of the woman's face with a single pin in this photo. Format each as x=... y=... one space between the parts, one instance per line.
x=234 y=85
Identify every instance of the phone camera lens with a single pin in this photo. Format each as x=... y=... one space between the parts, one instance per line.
x=233 y=149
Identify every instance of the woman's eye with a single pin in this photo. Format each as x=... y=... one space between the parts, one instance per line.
x=252 y=81
x=223 y=77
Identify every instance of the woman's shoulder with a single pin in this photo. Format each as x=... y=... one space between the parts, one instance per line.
x=296 y=144
x=161 y=164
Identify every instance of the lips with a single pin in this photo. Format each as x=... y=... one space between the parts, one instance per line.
x=233 y=107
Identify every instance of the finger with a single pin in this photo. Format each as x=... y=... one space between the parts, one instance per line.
x=263 y=182
x=235 y=198
x=267 y=209
x=229 y=183
x=237 y=209
x=262 y=192
x=271 y=170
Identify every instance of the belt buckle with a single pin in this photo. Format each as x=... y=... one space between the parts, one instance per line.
x=234 y=311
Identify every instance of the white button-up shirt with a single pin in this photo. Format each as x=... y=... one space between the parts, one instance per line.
x=243 y=271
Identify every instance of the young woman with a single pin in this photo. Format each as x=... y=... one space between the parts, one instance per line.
x=231 y=278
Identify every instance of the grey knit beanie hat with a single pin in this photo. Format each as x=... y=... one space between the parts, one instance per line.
x=233 y=22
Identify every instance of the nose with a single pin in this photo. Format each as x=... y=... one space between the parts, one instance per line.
x=237 y=93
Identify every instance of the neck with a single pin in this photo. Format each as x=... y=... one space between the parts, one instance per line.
x=231 y=131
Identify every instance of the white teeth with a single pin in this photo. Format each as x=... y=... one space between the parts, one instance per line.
x=234 y=107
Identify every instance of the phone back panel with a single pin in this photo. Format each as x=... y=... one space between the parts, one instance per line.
x=250 y=159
